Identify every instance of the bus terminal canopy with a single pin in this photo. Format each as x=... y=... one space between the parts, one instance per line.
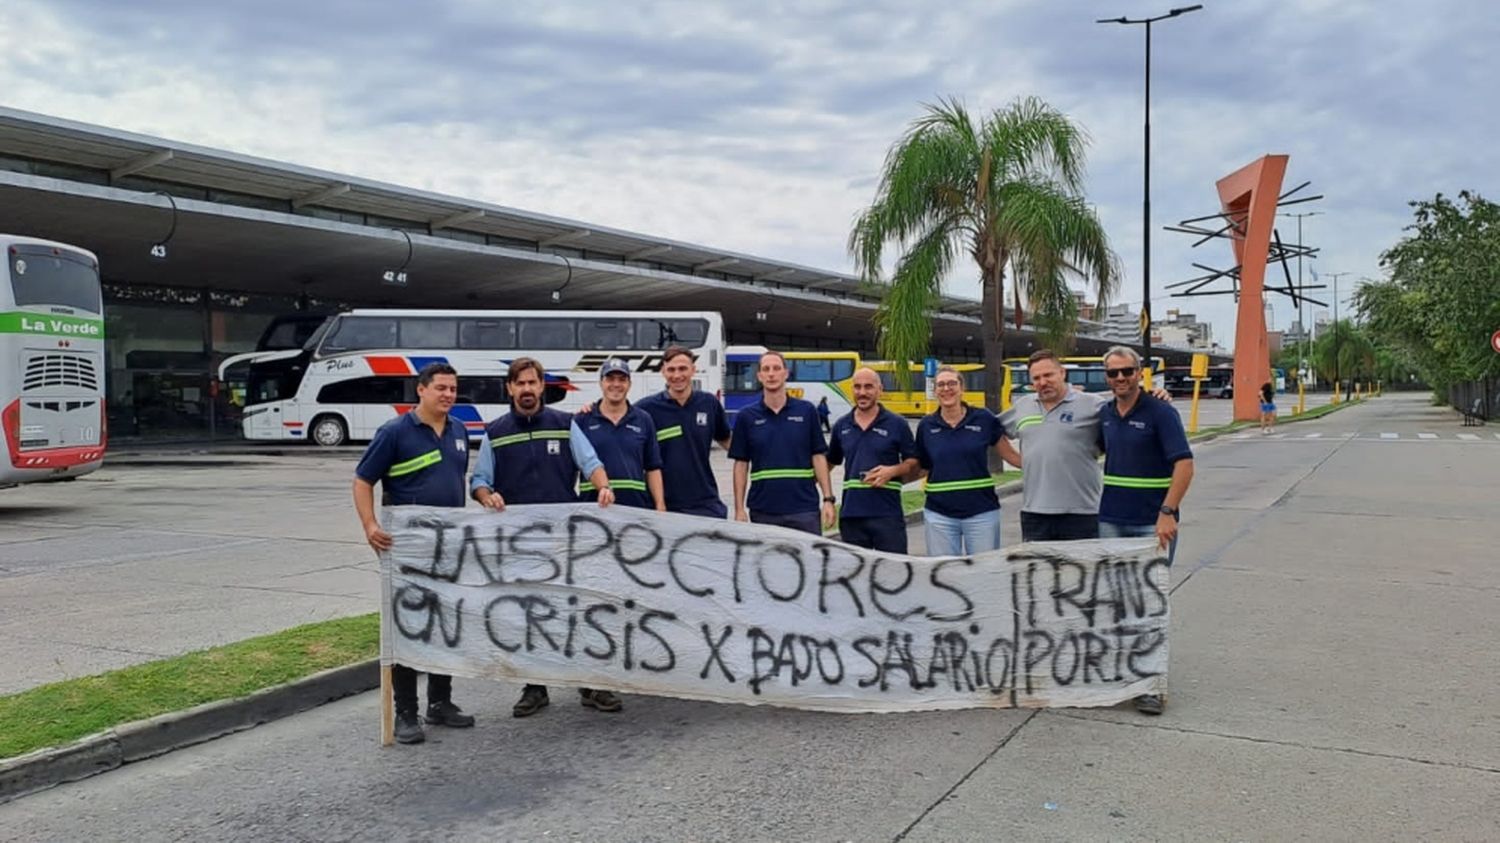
x=236 y=223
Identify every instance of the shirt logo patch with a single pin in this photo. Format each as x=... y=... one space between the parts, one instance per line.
x=634 y=427
x=939 y=429
x=1066 y=417
x=702 y=419
x=554 y=446
x=1138 y=425
x=794 y=418
x=973 y=427
x=882 y=431
x=459 y=445
x=760 y=421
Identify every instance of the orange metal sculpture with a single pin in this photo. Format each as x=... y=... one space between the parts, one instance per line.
x=1249 y=197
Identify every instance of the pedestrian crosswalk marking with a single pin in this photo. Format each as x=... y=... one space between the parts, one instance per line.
x=1390 y=436
x=1426 y=435
x=1469 y=436
x=1312 y=436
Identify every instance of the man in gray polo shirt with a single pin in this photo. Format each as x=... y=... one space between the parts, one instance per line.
x=1058 y=433
x=1057 y=429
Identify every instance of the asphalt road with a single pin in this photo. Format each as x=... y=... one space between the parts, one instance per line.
x=1333 y=677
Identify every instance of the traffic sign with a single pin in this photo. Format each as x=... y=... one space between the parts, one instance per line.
x=1495 y=341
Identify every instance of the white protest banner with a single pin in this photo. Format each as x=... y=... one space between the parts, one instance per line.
x=676 y=605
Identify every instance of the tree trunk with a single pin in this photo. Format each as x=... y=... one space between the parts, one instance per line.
x=991 y=326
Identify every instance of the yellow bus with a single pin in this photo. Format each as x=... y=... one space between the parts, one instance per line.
x=914 y=402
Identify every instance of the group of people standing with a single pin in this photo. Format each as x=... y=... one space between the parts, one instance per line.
x=654 y=454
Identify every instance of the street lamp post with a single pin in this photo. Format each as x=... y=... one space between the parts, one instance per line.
x=1338 y=379
x=1146 y=199
x=1301 y=312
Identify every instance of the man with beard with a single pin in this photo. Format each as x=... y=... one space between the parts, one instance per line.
x=534 y=454
x=418 y=459
x=881 y=453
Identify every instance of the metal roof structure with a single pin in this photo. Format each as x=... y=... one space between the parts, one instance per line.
x=246 y=224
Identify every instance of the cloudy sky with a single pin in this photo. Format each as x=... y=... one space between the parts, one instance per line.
x=761 y=127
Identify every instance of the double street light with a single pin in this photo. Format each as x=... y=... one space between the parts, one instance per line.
x=1306 y=335
x=1146 y=201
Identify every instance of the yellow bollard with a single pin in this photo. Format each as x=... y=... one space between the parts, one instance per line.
x=1301 y=397
x=1193 y=416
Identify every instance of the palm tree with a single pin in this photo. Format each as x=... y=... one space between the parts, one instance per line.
x=1007 y=191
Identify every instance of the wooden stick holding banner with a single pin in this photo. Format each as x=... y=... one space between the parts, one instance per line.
x=658 y=603
x=387 y=689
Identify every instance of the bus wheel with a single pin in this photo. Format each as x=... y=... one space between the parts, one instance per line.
x=329 y=431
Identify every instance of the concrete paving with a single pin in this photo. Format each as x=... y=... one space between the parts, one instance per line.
x=1333 y=678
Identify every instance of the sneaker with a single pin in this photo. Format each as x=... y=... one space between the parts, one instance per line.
x=599 y=700
x=445 y=713
x=1151 y=704
x=533 y=699
x=408 y=729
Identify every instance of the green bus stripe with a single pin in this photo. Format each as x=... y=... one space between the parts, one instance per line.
x=669 y=433
x=432 y=457
x=49 y=325
x=1138 y=482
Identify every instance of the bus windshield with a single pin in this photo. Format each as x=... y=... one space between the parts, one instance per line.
x=42 y=276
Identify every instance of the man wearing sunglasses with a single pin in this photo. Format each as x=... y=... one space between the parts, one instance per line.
x=1057 y=430
x=1147 y=467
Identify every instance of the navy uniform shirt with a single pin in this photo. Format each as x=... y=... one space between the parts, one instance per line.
x=1140 y=450
x=414 y=465
x=779 y=448
x=887 y=441
x=628 y=450
x=685 y=433
x=957 y=459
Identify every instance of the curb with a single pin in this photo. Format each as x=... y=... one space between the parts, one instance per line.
x=130 y=742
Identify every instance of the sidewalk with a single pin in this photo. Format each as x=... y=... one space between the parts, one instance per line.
x=1333 y=640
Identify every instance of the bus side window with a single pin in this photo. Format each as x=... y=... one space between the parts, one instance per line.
x=375 y=389
x=487 y=334
x=356 y=333
x=606 y=336
x=843 y=370
x=548 y=334
x=482 y=389
x=429 y=333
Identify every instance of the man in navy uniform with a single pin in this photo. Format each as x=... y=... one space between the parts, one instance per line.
x=1148 y=466
x=688 y=422
x=878 y=452
x=625 y=439
x=778 y=447
x=418 y=459
x=534 y=455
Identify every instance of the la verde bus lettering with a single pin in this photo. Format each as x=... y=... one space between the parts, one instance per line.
x=667 y=604
x=63 y=326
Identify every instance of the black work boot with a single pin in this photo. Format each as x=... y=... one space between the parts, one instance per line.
x=408 y=728
x=533 y=699
x=599 y=700
x=445 y=713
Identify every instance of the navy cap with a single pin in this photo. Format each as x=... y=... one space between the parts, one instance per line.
x=614 y=365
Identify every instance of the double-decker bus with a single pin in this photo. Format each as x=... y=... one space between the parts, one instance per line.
x=811 y=375
x=359 y=369
x=52 y=407
x=1218 y=384
x=914 y=402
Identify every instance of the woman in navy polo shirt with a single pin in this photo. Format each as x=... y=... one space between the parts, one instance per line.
x=962 y=513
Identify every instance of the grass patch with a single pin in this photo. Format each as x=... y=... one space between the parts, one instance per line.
x=51 y=715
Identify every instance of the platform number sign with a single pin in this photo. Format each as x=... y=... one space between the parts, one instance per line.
x=159 y=251
x=1495 y=341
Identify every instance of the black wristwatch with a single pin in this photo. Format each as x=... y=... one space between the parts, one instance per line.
x=830 y=499
x=1167 y=510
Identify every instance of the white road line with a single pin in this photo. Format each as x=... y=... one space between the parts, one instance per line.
x=1427 y=436
x=1390 y=436
x=1497 y=436
x=1471 y=437
x=1313 y=436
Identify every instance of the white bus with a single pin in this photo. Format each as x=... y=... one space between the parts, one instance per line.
x=359 y=369
x=52 y=408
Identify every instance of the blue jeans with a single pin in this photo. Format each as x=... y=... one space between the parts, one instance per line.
x=961 y=536
x=1108 y=530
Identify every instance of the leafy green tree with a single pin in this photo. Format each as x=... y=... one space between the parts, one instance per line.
x=1344 y=353
x=1442 y=299
x=1005 y=190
